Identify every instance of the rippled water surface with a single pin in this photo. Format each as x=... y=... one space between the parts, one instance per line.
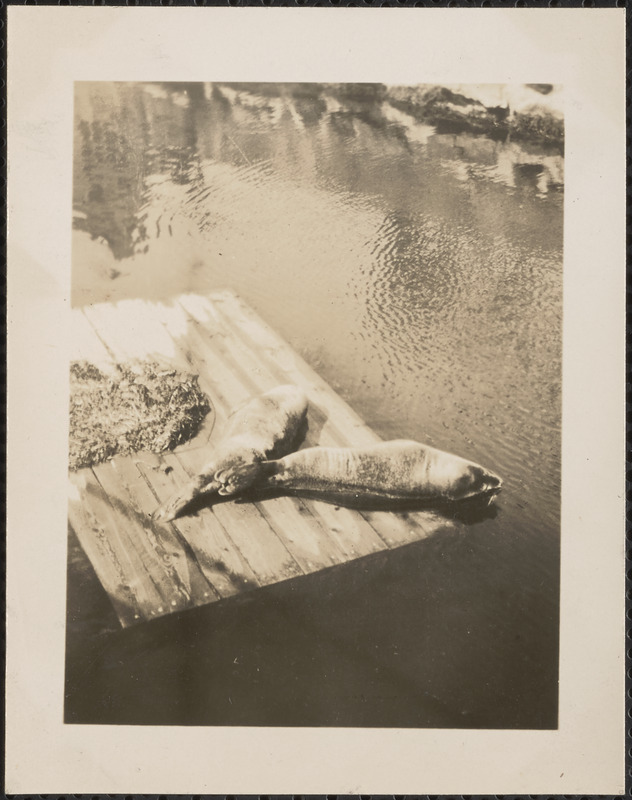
x=420 y=273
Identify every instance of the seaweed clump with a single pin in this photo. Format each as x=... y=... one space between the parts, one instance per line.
x=142 y=407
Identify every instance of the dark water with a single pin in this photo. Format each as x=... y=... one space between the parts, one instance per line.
x=420 y=274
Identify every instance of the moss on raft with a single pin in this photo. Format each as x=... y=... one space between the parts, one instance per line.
x=141 y=407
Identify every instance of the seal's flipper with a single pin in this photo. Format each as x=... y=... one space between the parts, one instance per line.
x=238 y=479
x=177 y=503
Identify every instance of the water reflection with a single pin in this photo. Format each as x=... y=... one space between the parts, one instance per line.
x=130 y=136
x=108 y=188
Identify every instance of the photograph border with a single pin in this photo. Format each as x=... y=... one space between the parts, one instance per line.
x=584 y=51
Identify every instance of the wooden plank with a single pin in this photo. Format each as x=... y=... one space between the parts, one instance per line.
x=222 y=565
x=131 y=329
x=213 y=334
x=92 y=535
x=267 y=555
x=175 y=325
x=277 y=352
x=199 y=348
x=250 y=532
x=137 y=537
x=170 y=548
x=103 y=537
x=349 y=529
x=130 y=332
x=310 y=544
x=85 y=345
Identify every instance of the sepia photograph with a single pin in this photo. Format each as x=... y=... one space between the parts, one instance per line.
x=315 y=405
x=318 y=367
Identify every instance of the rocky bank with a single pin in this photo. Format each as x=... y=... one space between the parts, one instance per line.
x=526 y=112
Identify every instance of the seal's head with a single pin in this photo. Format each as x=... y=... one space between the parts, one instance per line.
x=453 y=478
x=475 y=481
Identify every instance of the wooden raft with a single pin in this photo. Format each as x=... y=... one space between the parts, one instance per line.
x=150 y=569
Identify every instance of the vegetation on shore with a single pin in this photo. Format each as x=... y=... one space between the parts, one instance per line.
x=523 y=113
x=526 y=112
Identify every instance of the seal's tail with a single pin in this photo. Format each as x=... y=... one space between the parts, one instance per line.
x=238 y=479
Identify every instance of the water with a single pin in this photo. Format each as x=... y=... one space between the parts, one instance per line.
x=420 y=274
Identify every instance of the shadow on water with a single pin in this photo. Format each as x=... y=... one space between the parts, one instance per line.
x=335 y=649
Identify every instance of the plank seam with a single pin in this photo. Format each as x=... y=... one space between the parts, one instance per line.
x=182 y=536
x=159 y=590
x=180 y=540
x=108 y=349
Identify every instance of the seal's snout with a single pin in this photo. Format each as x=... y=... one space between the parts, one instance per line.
x=480 y=483
x=492 y=483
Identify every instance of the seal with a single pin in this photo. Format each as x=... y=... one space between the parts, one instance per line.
x=266 y=427
x=398 y=470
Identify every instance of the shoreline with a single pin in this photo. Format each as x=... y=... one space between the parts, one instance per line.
x=529 y=112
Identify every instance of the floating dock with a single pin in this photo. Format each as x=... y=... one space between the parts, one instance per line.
x=150 y=569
